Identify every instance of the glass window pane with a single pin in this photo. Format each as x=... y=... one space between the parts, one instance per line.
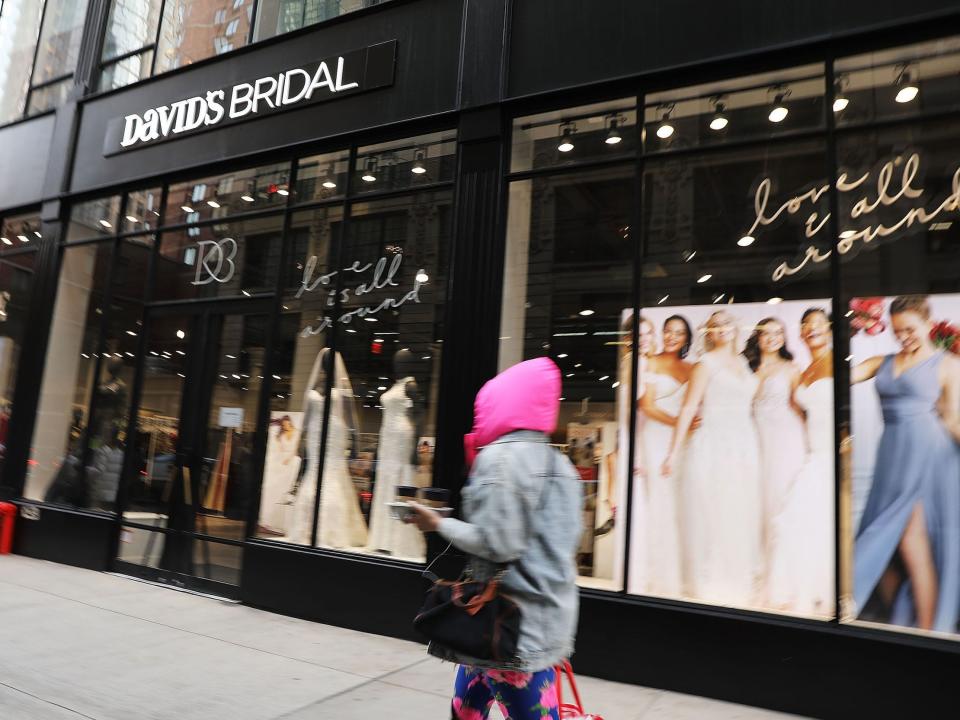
x=193 y=31
x=239 y=258
x=289 y=489
x=49 y=96
x=322 y=177
x=903 y=310
x=222 y=195
x=565 y=137
x=756 y=106
x=142 y=210
x=275 y=17
x=16 y=283
x=735 y=446
x=59 y=39
x=568 y=279
x=131 y=25
x=126 y=72
x=17 y=232
x=383 y=398
x=94 y=218
x=406 y=163
x=898 y=82
x=152 y=479
x=19 y=29
x=58 y=469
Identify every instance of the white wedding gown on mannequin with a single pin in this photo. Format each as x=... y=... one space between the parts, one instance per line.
x=394 y=458
x=341 y=523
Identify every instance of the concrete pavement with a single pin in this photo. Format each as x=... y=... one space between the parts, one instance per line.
x=80 y=644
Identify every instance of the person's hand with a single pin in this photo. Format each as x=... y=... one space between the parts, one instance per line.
x=695 y=423
x=427 y=519
x=667 y=468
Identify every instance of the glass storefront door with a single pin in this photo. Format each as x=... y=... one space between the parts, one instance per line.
x=190 y=480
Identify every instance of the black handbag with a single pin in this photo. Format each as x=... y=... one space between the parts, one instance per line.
x=473 y=617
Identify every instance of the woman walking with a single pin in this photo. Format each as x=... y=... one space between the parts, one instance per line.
x=521 y=511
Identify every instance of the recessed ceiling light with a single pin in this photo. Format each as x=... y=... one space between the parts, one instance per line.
x=746 y=241
x=586 y=313
x=213 y=203
x=775 y=301
x=186 y=208
x=247 y=198
x=329 y=184
x=106 y=223
x=132 y=219
x=283 y=191
x=704 y=278
x=6 y=241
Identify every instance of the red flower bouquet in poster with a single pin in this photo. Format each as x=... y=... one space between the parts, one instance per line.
x=946 y=336
x=867 y=315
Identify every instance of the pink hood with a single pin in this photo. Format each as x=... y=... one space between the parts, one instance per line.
x=523 y=397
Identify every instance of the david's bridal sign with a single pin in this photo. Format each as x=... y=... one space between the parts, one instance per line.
x=319 y=81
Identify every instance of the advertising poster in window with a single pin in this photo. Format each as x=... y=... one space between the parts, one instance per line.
x=733 y=491
x=280 y=472
x=905 y=421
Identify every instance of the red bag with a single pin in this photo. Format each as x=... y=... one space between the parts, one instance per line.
x=574 y=710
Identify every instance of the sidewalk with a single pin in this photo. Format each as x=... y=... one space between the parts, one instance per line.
x=80 y=644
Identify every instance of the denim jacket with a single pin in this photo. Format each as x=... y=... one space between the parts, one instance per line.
x=522 y=507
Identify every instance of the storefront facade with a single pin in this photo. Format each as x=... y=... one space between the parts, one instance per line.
x=250 y=292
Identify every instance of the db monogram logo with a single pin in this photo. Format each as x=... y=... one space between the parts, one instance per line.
x=215 y=261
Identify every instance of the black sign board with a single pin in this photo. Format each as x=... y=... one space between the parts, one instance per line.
x=319 y=81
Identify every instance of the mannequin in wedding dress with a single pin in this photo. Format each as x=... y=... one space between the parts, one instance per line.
x=396 y=461
x=341 y=524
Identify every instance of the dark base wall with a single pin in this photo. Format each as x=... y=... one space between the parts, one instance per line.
x=812 y=669
x=65 y=537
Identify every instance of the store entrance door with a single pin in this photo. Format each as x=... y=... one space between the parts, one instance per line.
x=191 y=475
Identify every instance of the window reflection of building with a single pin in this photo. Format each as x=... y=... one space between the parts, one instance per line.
x=196 y=29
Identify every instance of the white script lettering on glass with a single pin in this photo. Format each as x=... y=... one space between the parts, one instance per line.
x=212 y=256
x=383 y=275
x=906 y=189
x=286 y=88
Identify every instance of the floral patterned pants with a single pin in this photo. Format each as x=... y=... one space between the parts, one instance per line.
x=521 y=696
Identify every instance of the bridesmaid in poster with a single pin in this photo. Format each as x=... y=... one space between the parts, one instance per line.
x=907 y=549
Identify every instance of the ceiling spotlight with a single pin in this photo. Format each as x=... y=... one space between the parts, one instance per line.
x=247 y=198
x=329 y=184
x=840 y=101
x=704 y=278
x=37 y=233
x=613 y=133
x=181 y=334
x=283 y=191
x=746 y=241
x=586 y=313
x=186 y=208
x=106 y=223
x=23 y=238
x=662 y=300
x=566 y=137
x=422 y=277
x=775 y=301
x=6 y=241
x=906 y=89
x=418 y=167
x=370 y=172
x=131 y=218
x=719 y=120
x=213 y=203
x=666 y=129
x=690 y=255
x=779 y=112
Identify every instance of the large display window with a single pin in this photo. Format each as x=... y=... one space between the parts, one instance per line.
x=358 y=357
x=794 y=314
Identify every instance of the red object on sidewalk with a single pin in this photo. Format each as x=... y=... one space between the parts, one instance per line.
x=574 y=710
x=8 y=513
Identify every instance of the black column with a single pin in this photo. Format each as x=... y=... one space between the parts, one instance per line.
x=474 y=286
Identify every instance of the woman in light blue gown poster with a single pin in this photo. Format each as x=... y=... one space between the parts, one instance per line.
x=907 y=547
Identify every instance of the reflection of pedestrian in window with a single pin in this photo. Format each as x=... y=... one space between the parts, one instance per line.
x=907 y=549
